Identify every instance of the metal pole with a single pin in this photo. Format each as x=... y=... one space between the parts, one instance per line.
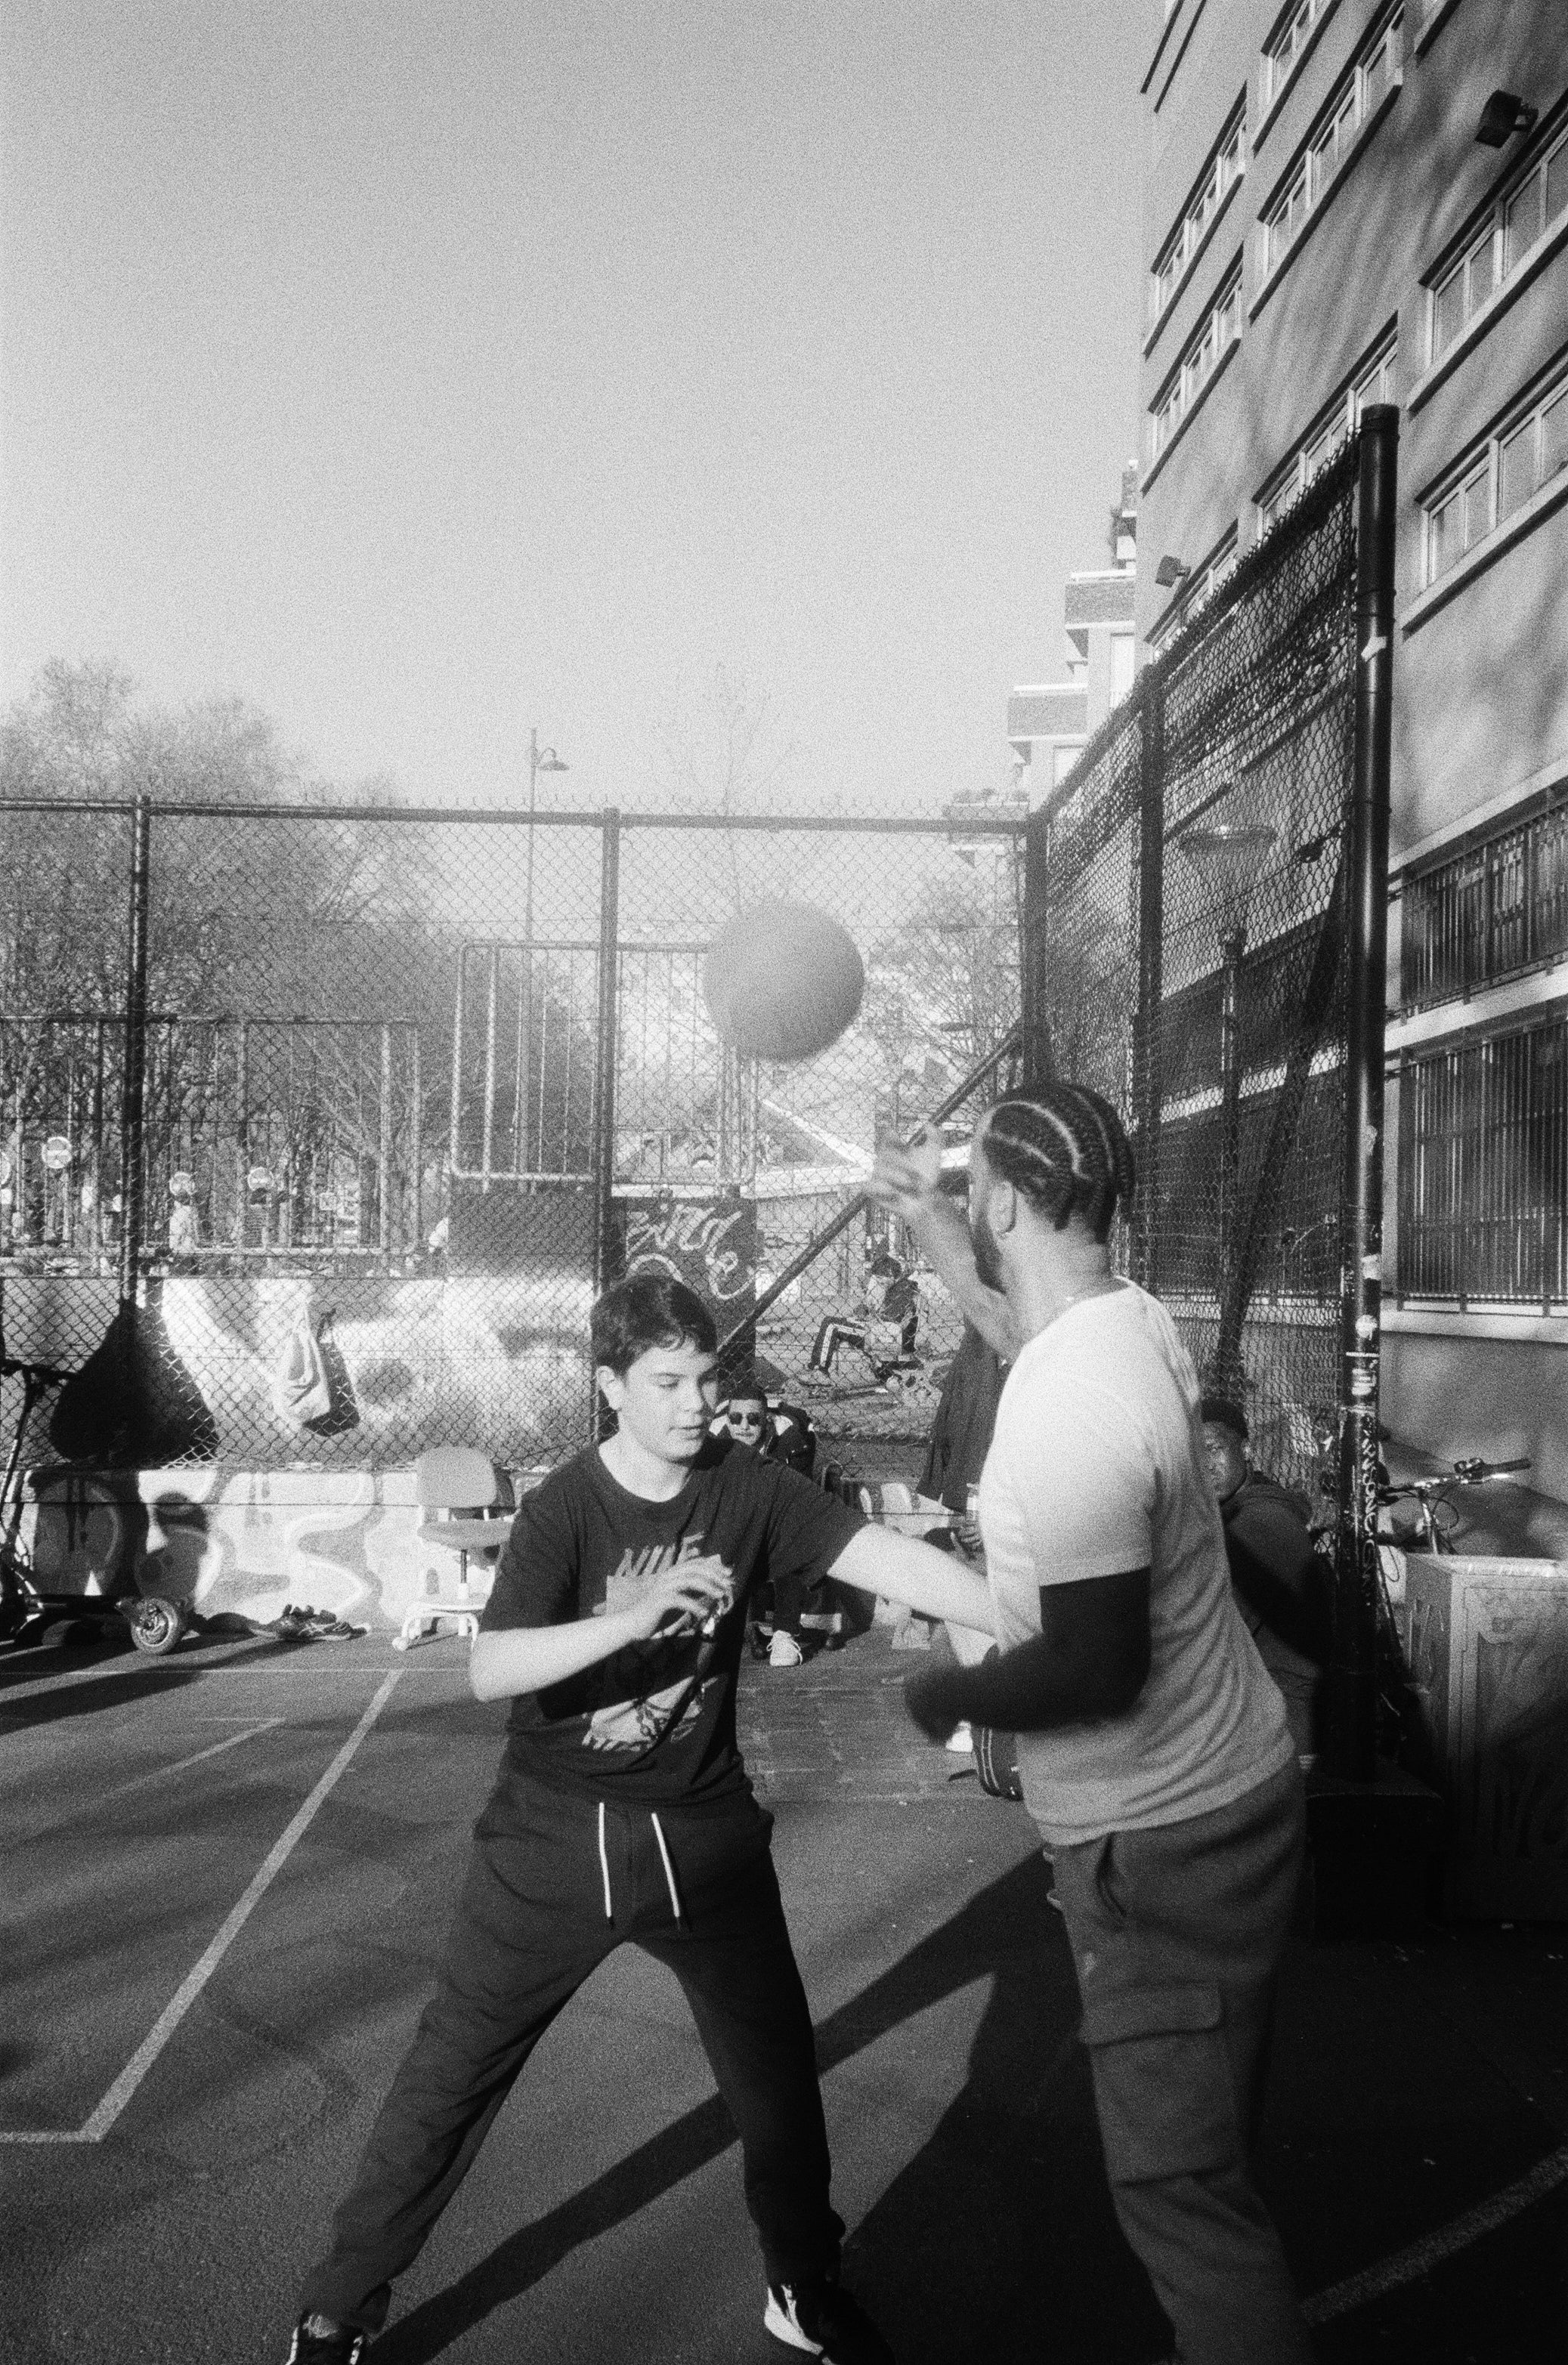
x=242 y=1134
x=605 y=1048
x=383 y=1146
x=1232 y=950
x=96 y=1236
x=525 y=1016
x=133 y=1181
x=1148 y=1044
x=416 y=1141
x=1351 y=1684
x=492 y=997
x=454 y=1161
x=1032 y=1001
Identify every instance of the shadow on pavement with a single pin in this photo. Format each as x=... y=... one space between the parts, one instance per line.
x=67 y=1698
x=1007 y=2198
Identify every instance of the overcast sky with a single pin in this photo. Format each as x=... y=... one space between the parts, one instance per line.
x=420 y=370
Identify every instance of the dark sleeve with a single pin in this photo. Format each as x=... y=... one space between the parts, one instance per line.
x=536 y=1577
x=807 y=1529
x=1280 y=1576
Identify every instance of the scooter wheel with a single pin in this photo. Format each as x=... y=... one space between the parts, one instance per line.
x=156 y=1625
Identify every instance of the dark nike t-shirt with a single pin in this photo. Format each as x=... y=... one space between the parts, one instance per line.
x=653 y=1725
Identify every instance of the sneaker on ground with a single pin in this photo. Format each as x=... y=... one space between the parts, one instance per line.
x=784 y=1651
x=340 y=2345
x=819 y=2318
x=961 y=1740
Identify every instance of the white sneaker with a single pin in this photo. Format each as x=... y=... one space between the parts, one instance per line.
x=784 y=1651
x=961 y=1740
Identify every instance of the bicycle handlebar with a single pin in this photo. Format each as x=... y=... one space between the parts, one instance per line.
x=44 y=1374
x=1470 y=1471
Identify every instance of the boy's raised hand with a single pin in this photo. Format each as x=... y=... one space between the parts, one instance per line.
x=686 y=1596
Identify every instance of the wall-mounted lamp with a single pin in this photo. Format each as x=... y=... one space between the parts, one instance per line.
x=1169 y=572
x=1503 y=114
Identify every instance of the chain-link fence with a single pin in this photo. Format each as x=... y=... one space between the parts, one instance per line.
x=1187 y=900
x=409 y=1087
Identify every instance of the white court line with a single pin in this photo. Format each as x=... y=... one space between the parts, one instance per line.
x=155 y=1773
x=97 y=2127
x=1420 y=2257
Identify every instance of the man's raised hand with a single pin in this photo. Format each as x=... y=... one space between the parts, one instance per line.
x=907 y=1174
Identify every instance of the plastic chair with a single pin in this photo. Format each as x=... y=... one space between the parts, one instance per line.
x=452 y=1480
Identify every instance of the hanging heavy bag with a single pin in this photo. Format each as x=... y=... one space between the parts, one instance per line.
x=302 y=1389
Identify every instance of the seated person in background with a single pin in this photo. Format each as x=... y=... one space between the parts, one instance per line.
x=961 y=1435
x=1282 y=1586
x=782 y=1434
x=886 y=1337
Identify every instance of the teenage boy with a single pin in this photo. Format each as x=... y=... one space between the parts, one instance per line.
x=623 y=1812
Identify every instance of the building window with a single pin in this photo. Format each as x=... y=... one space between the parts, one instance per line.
x=1494 y=480
x=1218 y=331
x=1495 y=910
x=1520 y=216
x=1484 y=1171
x=1225 y=163
x=1283 y=48
x=1123 y=650
x=1373 y=382
x=1356 y=99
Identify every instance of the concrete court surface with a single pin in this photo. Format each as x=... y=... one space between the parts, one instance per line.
x=226 y=1880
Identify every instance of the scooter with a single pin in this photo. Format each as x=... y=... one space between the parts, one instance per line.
x=26 y=1607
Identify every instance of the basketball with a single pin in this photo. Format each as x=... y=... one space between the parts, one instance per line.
x=782 y=980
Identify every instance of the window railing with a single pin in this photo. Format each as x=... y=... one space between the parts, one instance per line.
x=1484 y=1171
x=1520 y=215
x=1373 y=382
x=1283 y=48
x=1219 y=330
x=1490 y=913
x=1221 y=170
x=1375 y=68
x=1495 y=478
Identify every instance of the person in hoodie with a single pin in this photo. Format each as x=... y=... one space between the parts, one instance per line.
x=1283 y=1586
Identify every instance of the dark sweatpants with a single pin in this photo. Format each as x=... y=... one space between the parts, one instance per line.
x=1177 y=1936
x=531 y=1925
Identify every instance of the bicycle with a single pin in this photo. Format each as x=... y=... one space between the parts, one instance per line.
x=1437 y=1517
x=27 y=1607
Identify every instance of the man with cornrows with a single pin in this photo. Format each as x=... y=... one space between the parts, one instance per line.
x=1153 y=1748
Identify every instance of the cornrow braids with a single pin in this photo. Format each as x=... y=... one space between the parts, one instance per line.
x=1066 y=1152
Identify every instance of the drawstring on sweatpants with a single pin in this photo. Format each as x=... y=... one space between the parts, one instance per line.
x=669 y=1869
x=664 y=1858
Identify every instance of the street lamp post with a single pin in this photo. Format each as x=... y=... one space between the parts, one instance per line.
x=1230 y=858
x=540 y=759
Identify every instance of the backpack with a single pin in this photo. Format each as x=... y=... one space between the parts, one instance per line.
x=302 y=1390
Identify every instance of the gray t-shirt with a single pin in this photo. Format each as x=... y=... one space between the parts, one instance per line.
x=1097 y=1467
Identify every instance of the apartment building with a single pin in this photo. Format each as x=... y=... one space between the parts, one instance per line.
x=1049 y=723
x=1357 y=201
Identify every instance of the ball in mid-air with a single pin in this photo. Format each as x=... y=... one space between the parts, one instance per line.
x=782 y=980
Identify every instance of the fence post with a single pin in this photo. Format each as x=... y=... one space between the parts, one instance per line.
x=1352 y=1684
x=133 y=1180
x=604 y=1051
x=1037 y=1063
x=1147 y=1078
